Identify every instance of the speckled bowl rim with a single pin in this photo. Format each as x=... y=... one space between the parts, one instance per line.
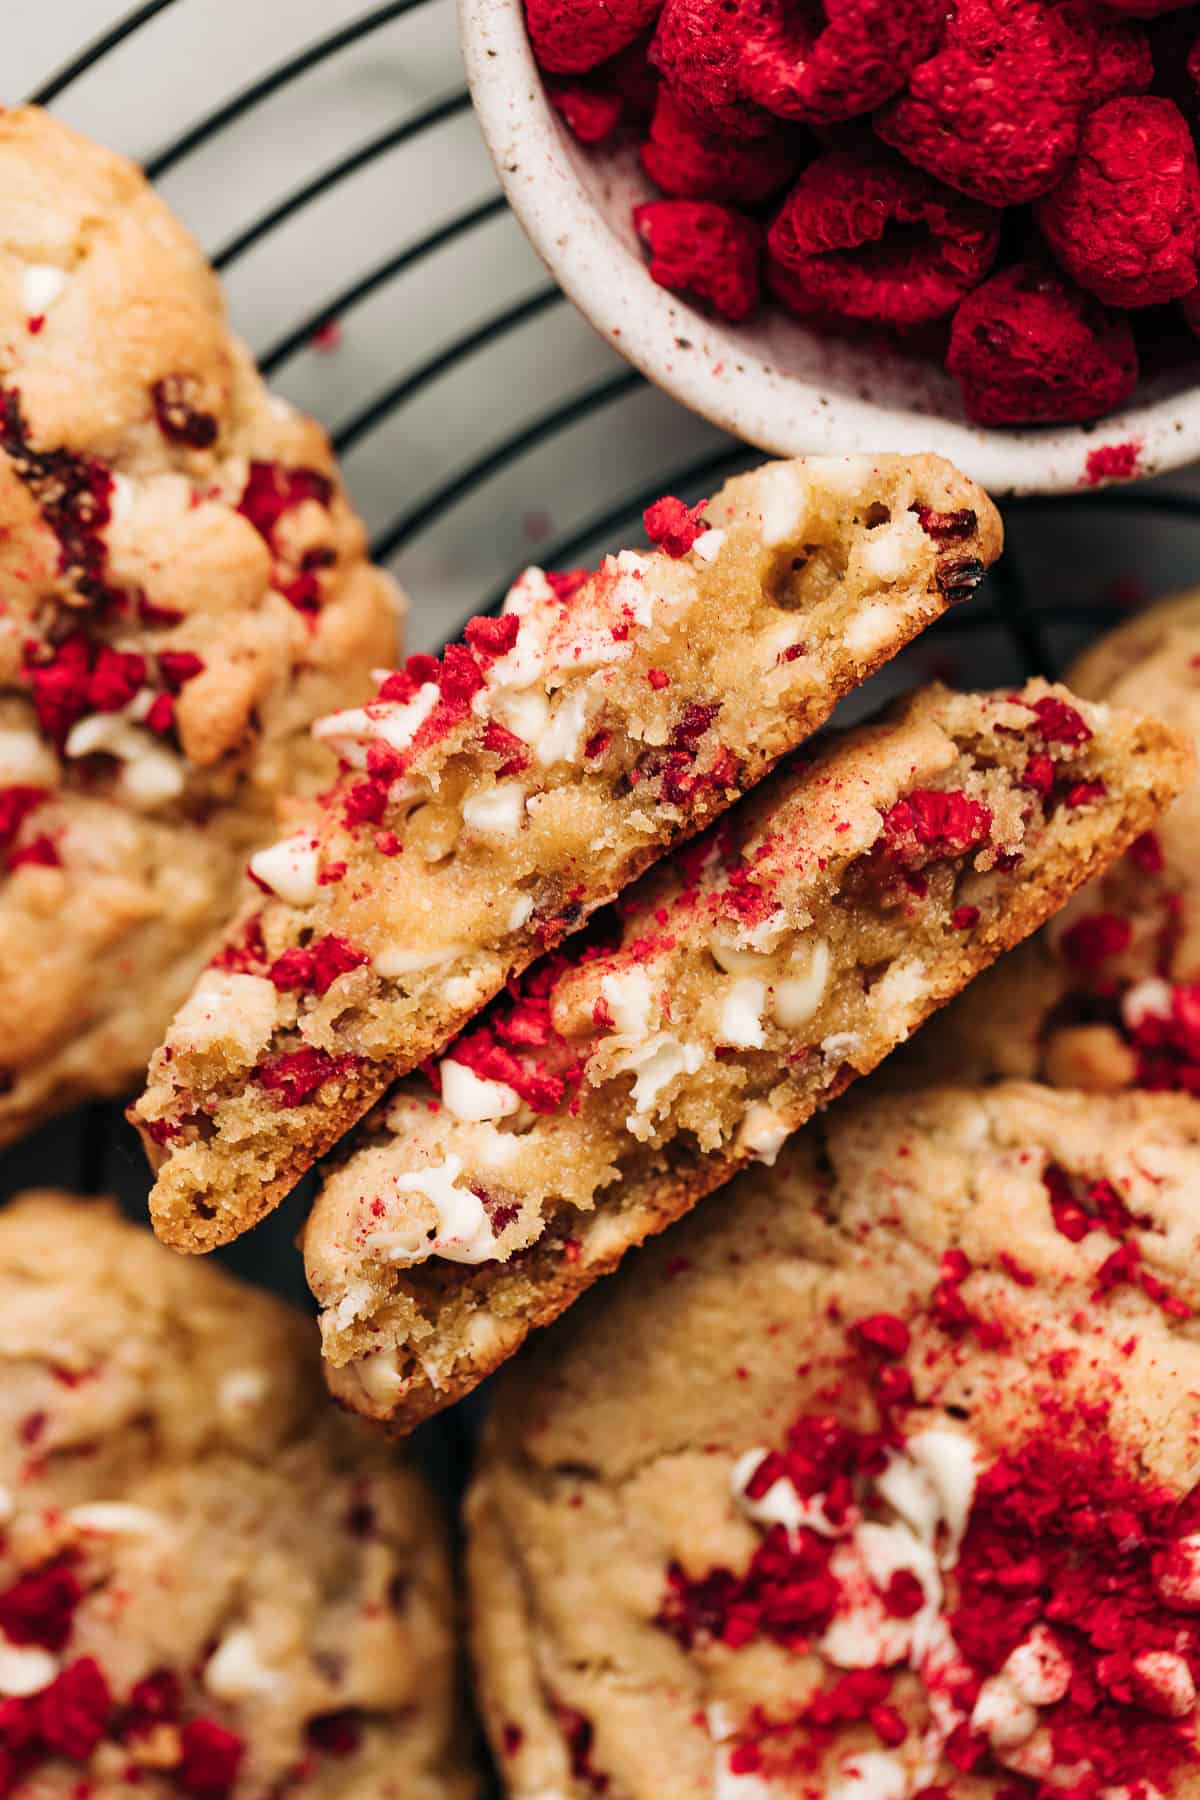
x=718 y=371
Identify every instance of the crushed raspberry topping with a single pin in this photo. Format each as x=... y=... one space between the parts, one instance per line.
x=673 y=526
x=314 y=969
x=272 y=490
x=295 y=1075
x=39 y=1608
x=211 y=1759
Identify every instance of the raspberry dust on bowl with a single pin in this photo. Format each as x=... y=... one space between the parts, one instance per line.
x=980 y=223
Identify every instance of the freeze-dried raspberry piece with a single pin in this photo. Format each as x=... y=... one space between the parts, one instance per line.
x=1124 y=221
x=689 y=162
x=569 y=36
x=592 y=112
x=996 y=110
x=295 y=1075
x=698 y=49
x=824 y=69
x=73 y=1711
x=1031 y=349
x=211 y=1756
x=865 y=236
x=673 y=526
x=697 y=247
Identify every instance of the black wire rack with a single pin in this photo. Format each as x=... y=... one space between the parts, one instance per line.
x=373 y=266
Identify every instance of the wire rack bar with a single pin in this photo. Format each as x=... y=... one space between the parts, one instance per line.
x=286 y=347
x=445 y=107
x=378 y=410
x=547 y=424
x=96 y=51
x=273 y=80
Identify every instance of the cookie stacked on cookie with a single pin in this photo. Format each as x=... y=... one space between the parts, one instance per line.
x=185 y=591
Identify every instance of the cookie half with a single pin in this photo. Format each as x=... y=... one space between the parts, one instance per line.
x=878 y=1484
x=1108 y=996
x=185 y=590
x=491 y=800
x=210 y=1584
x=747 y=981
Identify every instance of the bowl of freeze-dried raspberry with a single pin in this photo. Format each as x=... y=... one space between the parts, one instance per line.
x=861 y=225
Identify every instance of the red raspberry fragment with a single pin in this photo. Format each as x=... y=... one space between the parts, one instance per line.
x=996 y=110
x=1124 y=221
x=73 y=1711
x=689 y=162
x=1030 y=349
x=1090 y=941
x=592 y=113
x=697 y=247
x=698 y=49
x=569 y=36
x=823 y=70
x=39 y=1608
x=865 y=236
x=673 y=526
x=211 y=1757
x=295 y=1075
x=273 y=489
x=115 y=679
x=734 y=63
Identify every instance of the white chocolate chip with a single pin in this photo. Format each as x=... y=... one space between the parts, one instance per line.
x=469 y=1096
x=241 y=1390
x=708 y=545
x=1038 y=1668
x=520 y=912
x=1164 y=1683
x=562 y=739
x=657 y=1063
x=741 y=1014
x=869 y=1775
x=394 y=961
x=41 y=285
x=1149 y=999
x=393 y=722
x=235 y=1671
x=150 y=774
x=229 y=1009
x=732 y=1784
x=24 y=1669
x=1178 y=1578
x=781 y=494
x=796 y=998
x=464 y=1231
x=115 y=1518
x=523 y=711
x=1001 y=1715
x=763 y=1134
x=869 y=629
x=781 y=1504
x=290 y=868
x=628 y=995
x=497 y=812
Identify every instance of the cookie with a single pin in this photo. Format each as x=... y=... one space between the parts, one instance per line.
x=1108 y=996
x=880 y=1483
x=185 y=591
x=492 y=799
x=210 y=1584
x=748 y=980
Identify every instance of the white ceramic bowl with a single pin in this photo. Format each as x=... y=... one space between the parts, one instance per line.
x=772 y=382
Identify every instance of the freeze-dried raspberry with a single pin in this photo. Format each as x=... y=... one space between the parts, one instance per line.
x=592 y=112
x=210 y=1760
x=1124 y=221
x=865 y=236
x=673 y=526
x=569 y=36
x=1031 y=349
x=294 y=1075
x=734 y=63
x=698 y=49
x=996 y=110
x=697 y=247
x=799 y=64
x=73 y=1711
x=689 y=162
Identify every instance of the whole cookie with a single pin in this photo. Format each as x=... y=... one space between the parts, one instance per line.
x=183 y=590
x=878 y=1484
x=1107 y=996
x=210 y=1584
